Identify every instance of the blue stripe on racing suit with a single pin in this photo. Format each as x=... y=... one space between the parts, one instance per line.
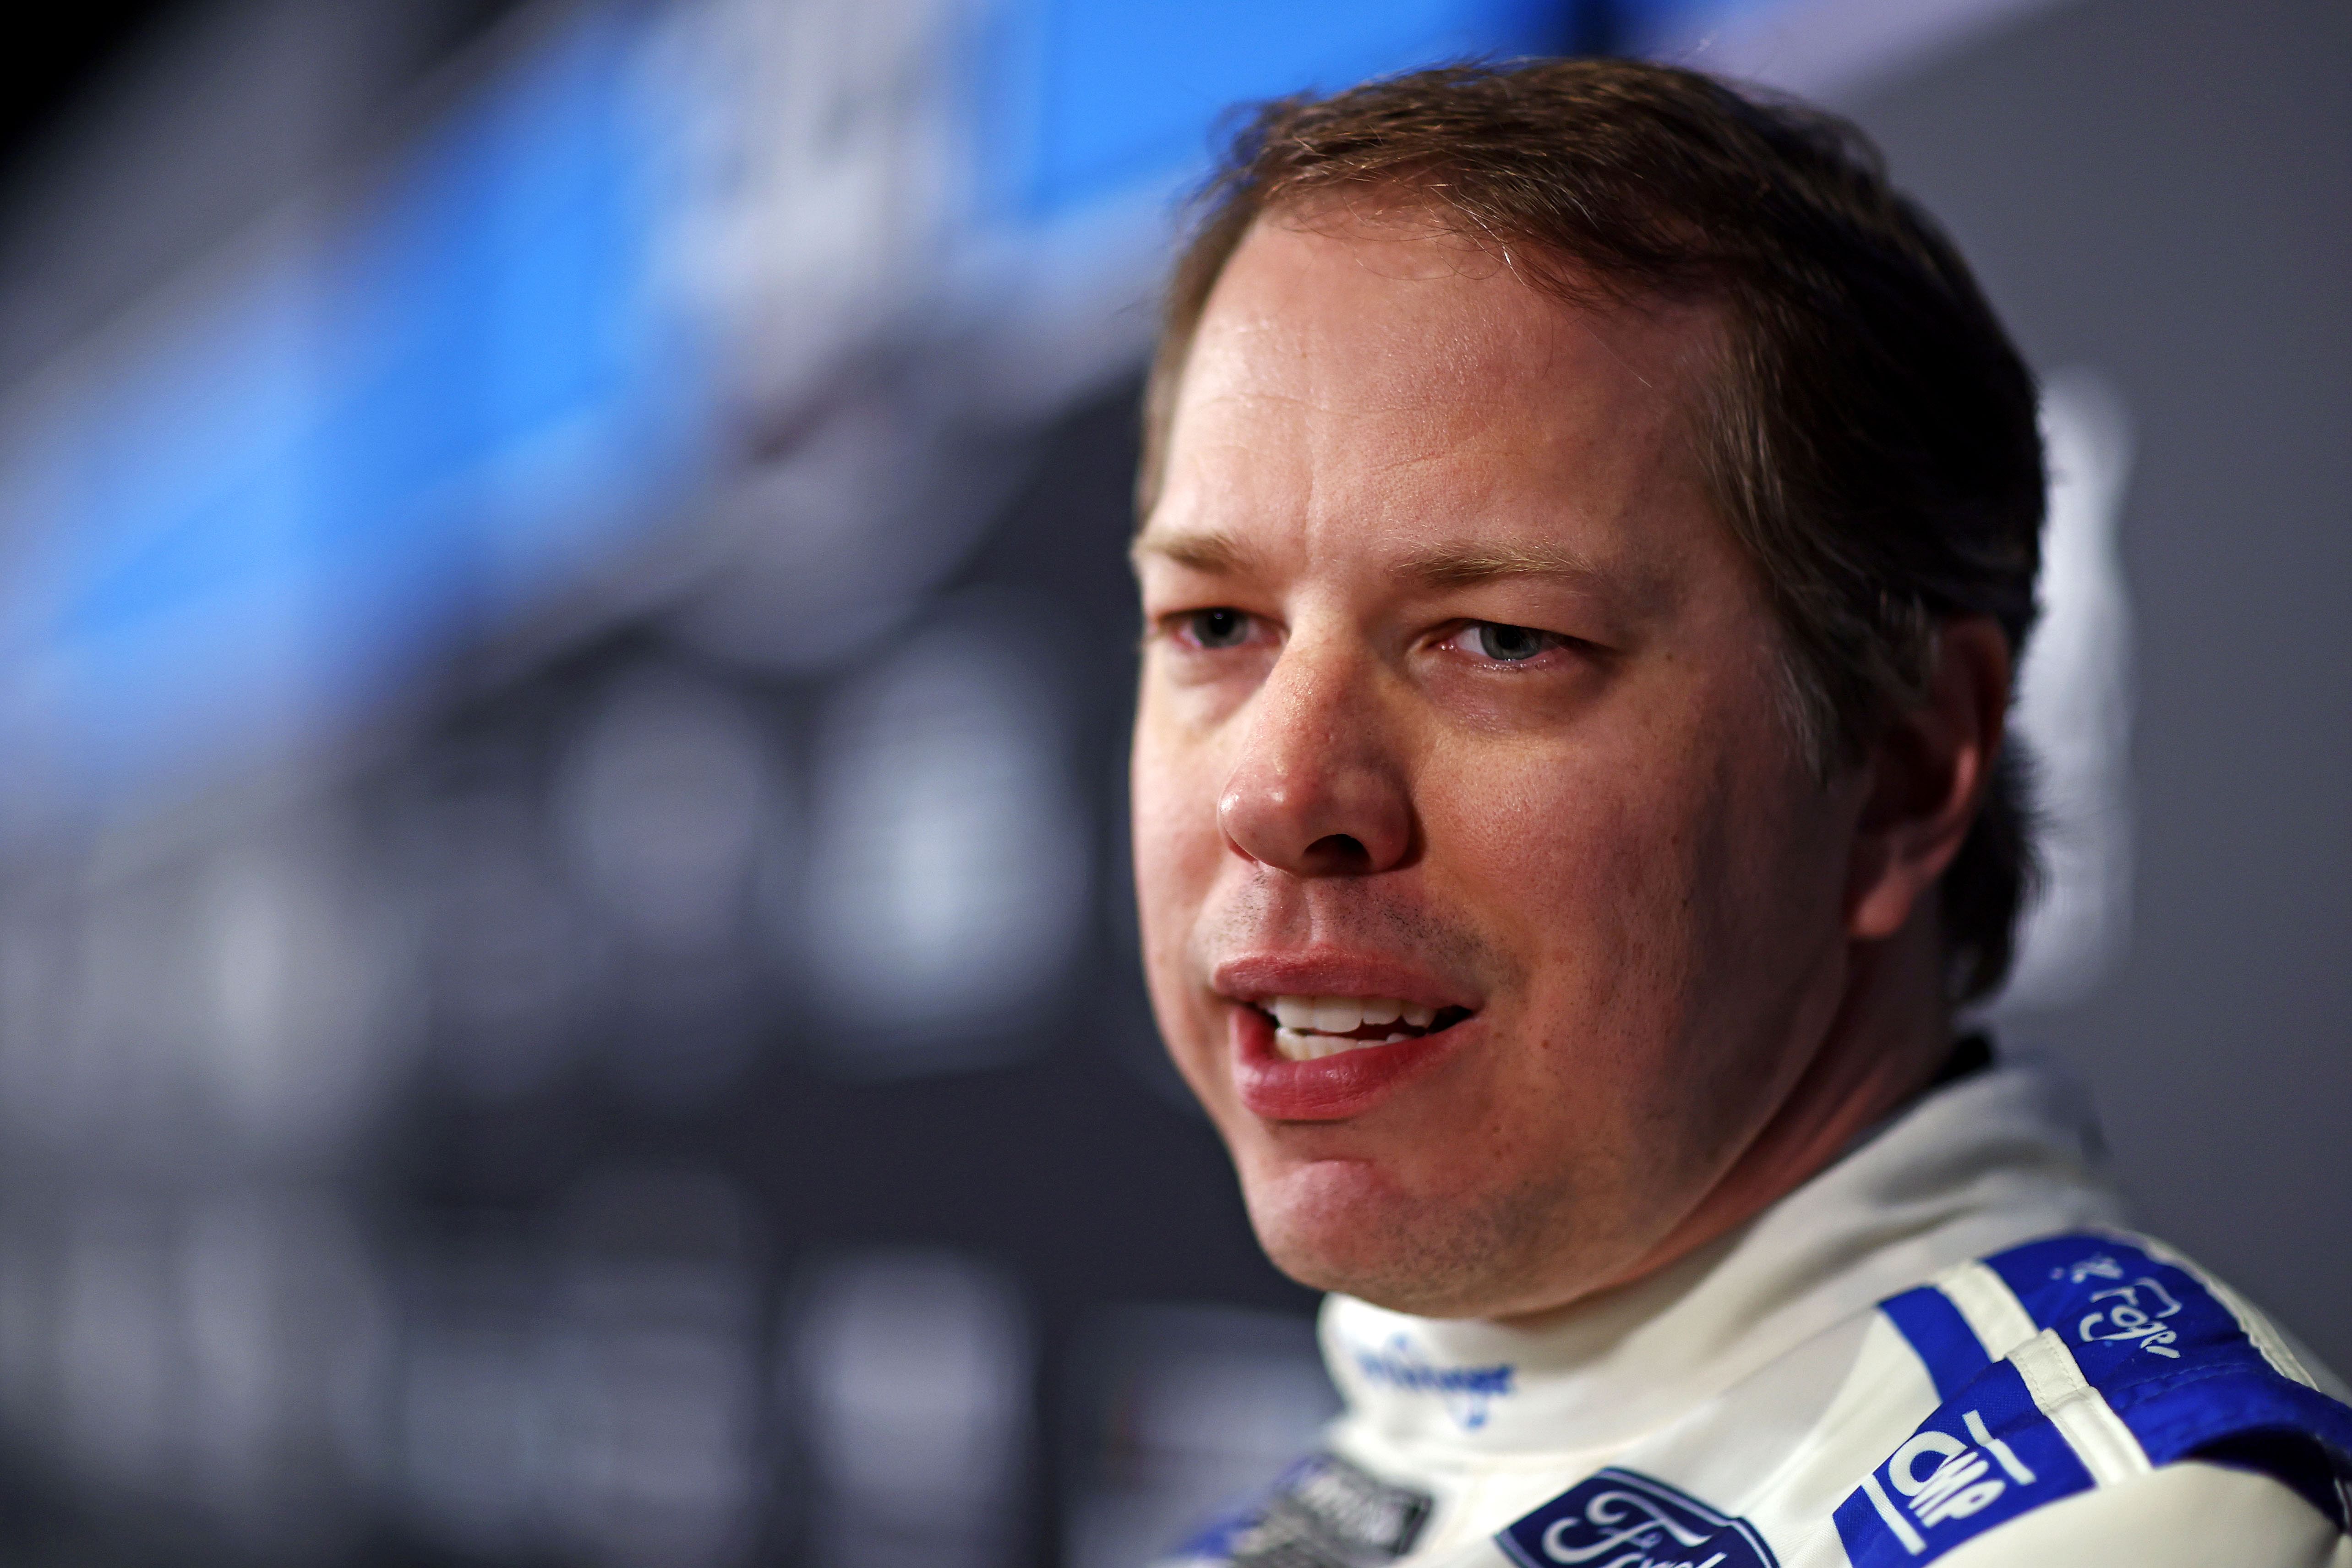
x=1986 y=1457
x=1939 y=1336
x=2137 y=1365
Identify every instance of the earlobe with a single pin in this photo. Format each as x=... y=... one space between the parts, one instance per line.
x=1927 y=778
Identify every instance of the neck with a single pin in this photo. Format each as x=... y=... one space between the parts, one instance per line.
x=1891 y=1032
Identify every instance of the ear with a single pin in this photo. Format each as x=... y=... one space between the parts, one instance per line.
x=1927 y=776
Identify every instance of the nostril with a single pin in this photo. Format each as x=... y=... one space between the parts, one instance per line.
x=1338 y=853
x=1334 y=818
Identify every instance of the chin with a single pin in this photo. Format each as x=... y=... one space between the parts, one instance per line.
x=1335 y=1225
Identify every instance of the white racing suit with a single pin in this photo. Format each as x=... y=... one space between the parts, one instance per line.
x=1941 y=1349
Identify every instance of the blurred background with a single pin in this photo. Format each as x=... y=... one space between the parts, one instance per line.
x=567 y=990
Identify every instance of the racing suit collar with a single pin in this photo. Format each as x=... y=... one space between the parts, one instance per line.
x=1991 y=1160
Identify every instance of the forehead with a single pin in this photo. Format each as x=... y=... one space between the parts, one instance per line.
x=1390 y=364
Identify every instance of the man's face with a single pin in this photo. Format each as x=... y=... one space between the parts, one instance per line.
x=1463 y=712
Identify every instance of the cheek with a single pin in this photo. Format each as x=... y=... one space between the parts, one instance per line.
x=1178 y=847
x=1638 y=884
x=1583 y=861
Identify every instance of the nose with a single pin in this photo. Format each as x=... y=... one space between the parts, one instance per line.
x=1319 y=788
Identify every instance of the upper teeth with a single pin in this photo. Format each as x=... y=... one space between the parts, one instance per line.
x=1345 y=1015
x=1314 y=1026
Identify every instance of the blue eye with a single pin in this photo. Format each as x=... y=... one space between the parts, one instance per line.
x=1218 y=627
x=1508 y=645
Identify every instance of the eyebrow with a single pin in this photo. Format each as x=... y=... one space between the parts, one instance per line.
x=1216 y=554
x=1467 y=565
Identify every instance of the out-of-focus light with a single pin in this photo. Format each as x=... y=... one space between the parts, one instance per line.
x=1196 y=1409
x=37 y=953
x=305 y=972
x=602 y=1400
x=288 y=1338
x=509 y=958
x=471 y=1413
x=666 y=807
x=950 y=848
x=125 y=1060
x=114 y=1351
x=654 y=1376
x=253 y=994
x=670 y=811
x=1819 y=49
x=1125 y=94
x=842 y=535
x=222 y=1350
x=813 y=173
x=910 y=1377
x=2074 y=703
x=274 y=493
x=26 y=1285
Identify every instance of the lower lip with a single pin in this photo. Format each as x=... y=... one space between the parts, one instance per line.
x=1328 y=1088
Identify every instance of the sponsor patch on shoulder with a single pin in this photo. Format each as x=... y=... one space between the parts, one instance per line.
x=1620 y=1519
x=1978 y=1462
x=1325 y=1512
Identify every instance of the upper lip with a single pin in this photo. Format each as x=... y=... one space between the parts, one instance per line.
x=1255 y=977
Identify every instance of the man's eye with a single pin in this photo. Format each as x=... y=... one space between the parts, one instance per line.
x=1503 y=644
x=1218 y=628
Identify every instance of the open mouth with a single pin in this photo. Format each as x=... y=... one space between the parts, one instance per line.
x=1307 y=1027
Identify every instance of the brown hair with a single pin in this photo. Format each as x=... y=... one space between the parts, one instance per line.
x=1872 y=436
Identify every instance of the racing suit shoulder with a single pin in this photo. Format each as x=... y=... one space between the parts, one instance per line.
x=2088 y=1395
x=2190 y=1514
x=2089 y=1363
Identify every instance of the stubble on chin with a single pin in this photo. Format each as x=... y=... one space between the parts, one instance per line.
x=1333 y=1226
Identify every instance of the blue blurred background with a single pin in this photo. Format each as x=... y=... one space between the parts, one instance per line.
x=567 y=990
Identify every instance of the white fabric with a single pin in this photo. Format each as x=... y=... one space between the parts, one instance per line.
x=2188 y=1512
x=1757 y=1376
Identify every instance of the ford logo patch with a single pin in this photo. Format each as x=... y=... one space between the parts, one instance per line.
x=1617 y=1518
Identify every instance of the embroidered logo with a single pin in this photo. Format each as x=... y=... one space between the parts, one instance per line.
x=1325 y=1512
x=2133 y=1311
x=1939 y=1477
x=2098 y=1266
x=1618 y=1519
x=1466 y=1392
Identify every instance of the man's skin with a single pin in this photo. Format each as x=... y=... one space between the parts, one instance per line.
x=1693 y=970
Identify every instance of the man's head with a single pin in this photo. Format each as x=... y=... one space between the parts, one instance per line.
x=1589 y=519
